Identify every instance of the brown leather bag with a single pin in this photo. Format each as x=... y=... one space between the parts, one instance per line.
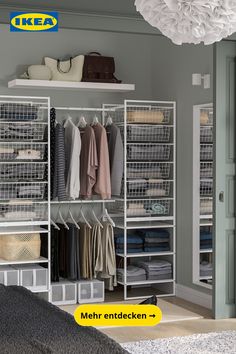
x=98 y=68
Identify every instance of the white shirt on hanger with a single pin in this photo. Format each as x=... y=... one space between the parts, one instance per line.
x=73 y=148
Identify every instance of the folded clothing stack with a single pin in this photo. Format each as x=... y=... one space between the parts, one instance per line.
x=133 y=274
x=157 y=269
x=18 y=111
x=136 y=209
x=155 y=240
x=134 y=243
x=205 y=240
x=206 y=269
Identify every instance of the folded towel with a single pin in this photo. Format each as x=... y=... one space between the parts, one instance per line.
x=155 y=240
x=155 y=192
x=157 y=249
x=154 y=233
x=29 y=155
x=205 y=236
x=130 y=239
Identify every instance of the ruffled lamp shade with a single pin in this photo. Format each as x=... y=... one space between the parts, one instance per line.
x=190 y=21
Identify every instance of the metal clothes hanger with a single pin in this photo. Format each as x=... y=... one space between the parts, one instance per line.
x=73 y=220
x=95 y=120
x=82 y=122
x=107 y=216
x=54 y=224
x=97 y=220
x=109 y=121
x=84 y=218
x=62 y=220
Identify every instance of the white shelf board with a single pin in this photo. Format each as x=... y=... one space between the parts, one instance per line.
x=35 y=261
x=21 y=229
x=208 y=250
x=70 y=85
x=204 y=217
x=82 y=201
x=206 y=223
x=208 y=277
x=23 y=223
x=146 y=254
x=143 y=282
x=143 y=225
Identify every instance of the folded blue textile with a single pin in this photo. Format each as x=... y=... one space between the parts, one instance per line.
x=156 y=249
x=130 y=250
x=161 y=233
x=206 y=246
x=205 y=236
x=130 y=239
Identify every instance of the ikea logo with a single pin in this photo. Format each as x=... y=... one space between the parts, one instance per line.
x=34 y=22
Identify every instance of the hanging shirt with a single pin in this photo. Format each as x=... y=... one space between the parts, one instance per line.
x=88 y=162
x=73 y=149
x=116 y=157
x=59 y=187
x=103 y=182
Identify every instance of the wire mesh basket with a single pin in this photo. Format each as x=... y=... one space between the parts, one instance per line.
x=206 y=116
x=206 y=152
x=206 y=170
x=20 y=247
x=206 y=134
x=22 y=131
x=149 y=151
x=148 y=208
x=206 y=188
x=149 y=170
x=18 y=111
x=23 y=211
x=30 y=171
x=148 y=133
x=22 y=190
x=148 y=188
x=22 y=151
x=206 y=206
x=149 y=114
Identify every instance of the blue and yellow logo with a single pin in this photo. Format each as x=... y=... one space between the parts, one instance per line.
x=33 y=21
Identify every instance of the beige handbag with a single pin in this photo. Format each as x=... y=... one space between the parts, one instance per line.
x=69 y=70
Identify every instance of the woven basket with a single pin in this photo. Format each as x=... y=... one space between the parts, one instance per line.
x=20 y=247
x=145 y=117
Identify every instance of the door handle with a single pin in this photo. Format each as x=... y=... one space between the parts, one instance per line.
x=221 y=197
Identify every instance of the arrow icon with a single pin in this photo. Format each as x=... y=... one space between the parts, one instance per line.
x=153 y=316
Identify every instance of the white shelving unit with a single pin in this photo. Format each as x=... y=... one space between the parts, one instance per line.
x=202 y=190
x=70 y=85
x=148 y=198
x=25 y=174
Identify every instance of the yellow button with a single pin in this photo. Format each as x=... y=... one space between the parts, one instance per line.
x=117 y=315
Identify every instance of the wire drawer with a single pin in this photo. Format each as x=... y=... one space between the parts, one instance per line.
x=22 y=190
x=149 y=152
x=22 y=131
x=206 y=170
x=23 y=211
x=206 y=188
x=148 y=170
x=206 y=134
x=148 y=133
x=149 y=188
x=206 y=206
x=16 y=111
x=206 y=152
x=9 y=276
x=22 y=171
x=149 y=115
x=22 y=151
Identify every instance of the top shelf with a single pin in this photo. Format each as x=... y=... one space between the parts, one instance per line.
x=70 y=85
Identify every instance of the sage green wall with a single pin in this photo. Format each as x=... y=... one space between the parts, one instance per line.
x=173 y=67
x=132 y=53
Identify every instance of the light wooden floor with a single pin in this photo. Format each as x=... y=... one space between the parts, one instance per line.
x=180 y=328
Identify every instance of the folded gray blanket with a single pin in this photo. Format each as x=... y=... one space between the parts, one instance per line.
x=31 y=325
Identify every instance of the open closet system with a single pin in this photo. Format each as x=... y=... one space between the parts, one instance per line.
x=203 y=194
x=138 y=218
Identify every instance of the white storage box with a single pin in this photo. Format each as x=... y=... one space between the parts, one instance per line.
x=64 y=293
x=33 y=277
x=90 y=291
x=9 y=276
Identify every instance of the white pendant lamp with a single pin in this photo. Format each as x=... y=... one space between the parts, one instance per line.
x=190 y=21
